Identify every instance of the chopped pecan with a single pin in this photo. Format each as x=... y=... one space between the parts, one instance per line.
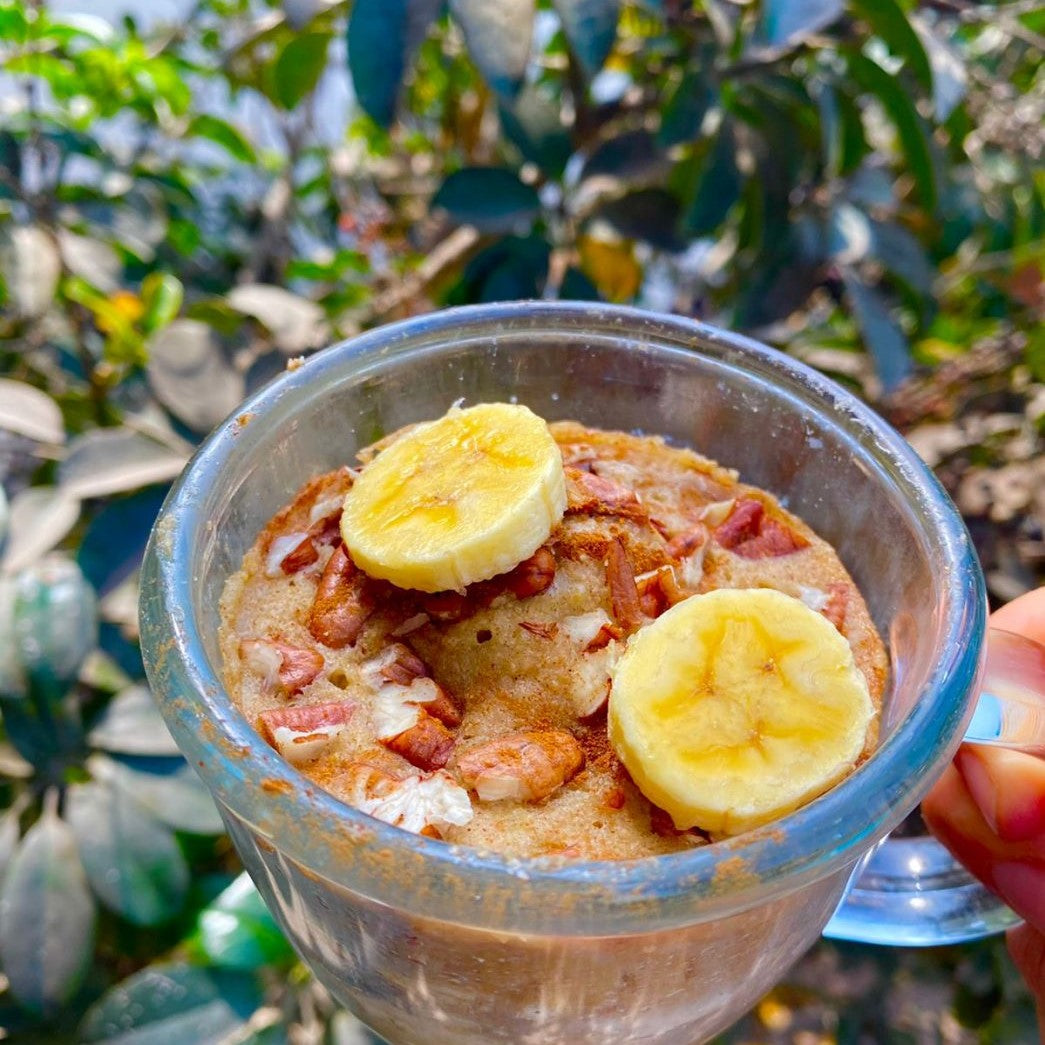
x=301 y=734
x=522 y=767
x=342 y=603
x=532 y=575
x=591 y=631
x=447 y=607
x=615 y=798
x=687 y=542
x=304 y=554
x=406 y=666
x=444 y=707
x=624 y=596
x=591 y=494
x=837 y=605
x=427 y=745
x=749 y=532
x=542 y=629
x=658 y=590
x=295 y=666
x=414 y=803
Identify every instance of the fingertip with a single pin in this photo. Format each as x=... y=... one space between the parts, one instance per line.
x=1008 y=788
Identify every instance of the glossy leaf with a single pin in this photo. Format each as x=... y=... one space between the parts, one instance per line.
x=383 y=36
x=299 y=67
x=630 y=156
x=189 y=374
x=166 y=787
x=295 y=323
x=55 y=620
x=532 y=122
x=518 y=264
x=901 y=253
x=222 y=133
x=650 y=215
x=111 y=547
x=27 y=411
x=889 y=21
x=900 y=109
x=91 y=259
x=591 y=27
x=577 y=287
x=31 y=267
x=162 y=295
x=718 y=189
x=785 y=21
x=47 y=917
x=882 y=335
x=132 y=861
x=131 y=724
x=493 y=199
x=114 y=460
x=949 y=76
x=497 y=34
x=685 y=110
x=611 y=267
x=41 y=516
x=236 y=930
x=169 y=1003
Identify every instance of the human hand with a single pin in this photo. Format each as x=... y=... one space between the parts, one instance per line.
x=989 y=810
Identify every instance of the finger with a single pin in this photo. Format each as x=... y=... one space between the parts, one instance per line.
x=1013 y=870
x=1024 y=616
x=1008 y=788
x=1027 y=947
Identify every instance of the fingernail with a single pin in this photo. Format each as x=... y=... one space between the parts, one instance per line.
x=1022 y=886
x=980 y=785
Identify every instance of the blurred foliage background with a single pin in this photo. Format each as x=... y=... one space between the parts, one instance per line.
x=185 y=205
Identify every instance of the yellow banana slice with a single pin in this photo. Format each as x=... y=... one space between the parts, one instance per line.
x=736 y=707
x=457 y=500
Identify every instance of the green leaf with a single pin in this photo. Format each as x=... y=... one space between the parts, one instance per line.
x=55 y=621
x=577 y=287
x=785 y=21
x=901 y=253
x=650 y=215
x=131 y=724
x=133 y=862
x=533 y=124
x=167 y=787
x=591 y=27
x=882 y=335
x=493 y=199
x=630 y=156
x=516 y=266
x=900 y=108
x=889 y=22
x=171 y=1003
x=718 y=189
x=685 y=110
x=162 y=295
x=105 y=461
x=498 y=35
x=47 y=917
x=377 y=32
x=222 y=133
x=236 y=931
x=299 y=67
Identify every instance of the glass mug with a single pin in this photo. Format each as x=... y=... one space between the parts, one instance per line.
x=432 y=943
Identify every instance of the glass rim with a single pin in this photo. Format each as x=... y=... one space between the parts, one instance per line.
x=604 y=897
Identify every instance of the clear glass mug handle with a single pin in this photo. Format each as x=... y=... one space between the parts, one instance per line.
x=910 y=891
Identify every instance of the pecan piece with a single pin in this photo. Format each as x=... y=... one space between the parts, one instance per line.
x=341 y=605
x=591 y=494
x=624 y=595
x=447 y=607
x=658 y=590
x=522 y=767
x=427 y=745
x=414 y=803
x=444 y=707
x=750 y=533
x=837 y=605
x=687 y=542
x=532 y=575
x=542 y=629
x=406 y=666
x=304 y=554
x=293 y=666
x=302 y=734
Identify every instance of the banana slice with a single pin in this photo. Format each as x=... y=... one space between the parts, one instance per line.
x=457 y=500
x=736 y=707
